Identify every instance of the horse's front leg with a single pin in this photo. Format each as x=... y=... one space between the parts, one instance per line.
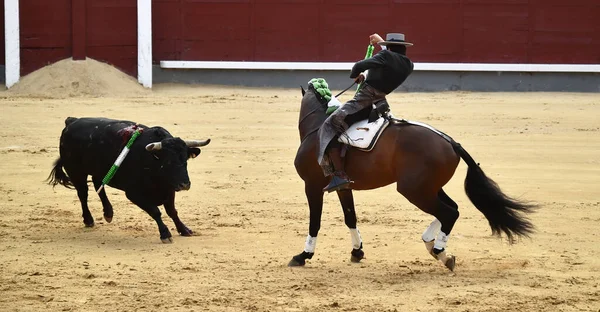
x=314 y=194
x=347 y=201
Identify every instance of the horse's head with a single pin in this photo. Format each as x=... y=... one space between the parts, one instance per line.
x=317 y=94
x=313 y=109
x=312 y=102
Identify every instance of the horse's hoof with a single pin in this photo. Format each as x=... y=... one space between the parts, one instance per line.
x=168 y=240
x=186 y=232
x=108 y=219
x=89 y=225
x=429 y=247
x=296 y=262
x=357 y=255
x=450 y=262
x=300 y=260
x=447 y=259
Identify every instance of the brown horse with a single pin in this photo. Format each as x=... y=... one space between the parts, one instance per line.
x=420 y=161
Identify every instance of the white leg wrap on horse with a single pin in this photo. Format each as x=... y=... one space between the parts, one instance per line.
x=440 y=241
x=356 y=239
x=432 y=231
x=311 y=243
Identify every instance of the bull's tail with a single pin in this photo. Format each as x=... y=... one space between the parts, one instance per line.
x=504 y=214
x=58 y=175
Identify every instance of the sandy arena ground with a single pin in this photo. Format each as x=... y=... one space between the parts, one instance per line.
x=248 y=209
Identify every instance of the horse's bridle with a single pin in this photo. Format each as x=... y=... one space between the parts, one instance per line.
x=310 y=113
x=312 y=131
x=306 y=116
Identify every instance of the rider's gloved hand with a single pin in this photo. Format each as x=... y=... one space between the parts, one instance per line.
x=375 y=39
x=360 y=78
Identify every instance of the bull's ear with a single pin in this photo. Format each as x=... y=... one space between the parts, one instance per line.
x=193 y=152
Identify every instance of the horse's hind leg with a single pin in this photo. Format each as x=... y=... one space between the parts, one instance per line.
x=435 y=227
x=430 y=234
x=347 y=201
x=445 y=213
x=446 y=199
x=314 y=194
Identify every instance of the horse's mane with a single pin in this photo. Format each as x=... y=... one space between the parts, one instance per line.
x=320 y=98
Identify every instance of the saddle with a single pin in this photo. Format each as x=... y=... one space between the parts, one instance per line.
x=365 y=133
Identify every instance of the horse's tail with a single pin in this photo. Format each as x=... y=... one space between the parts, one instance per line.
x=58 y=176
x=505 y=214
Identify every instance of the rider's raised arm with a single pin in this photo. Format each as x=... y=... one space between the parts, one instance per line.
x=373 y=62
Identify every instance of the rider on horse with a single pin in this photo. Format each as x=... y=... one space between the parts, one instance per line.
x=388 y=70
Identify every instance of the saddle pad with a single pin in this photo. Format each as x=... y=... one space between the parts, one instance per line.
x=364 y=134
x=424 y=125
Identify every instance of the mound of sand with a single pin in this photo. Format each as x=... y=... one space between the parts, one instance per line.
x=69 y=78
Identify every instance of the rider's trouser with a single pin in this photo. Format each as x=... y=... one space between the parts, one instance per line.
x=335 y=124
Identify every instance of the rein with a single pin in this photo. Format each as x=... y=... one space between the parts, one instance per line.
x=312 y=131
x=310 y=113
x=346 y=89
x=308 y=134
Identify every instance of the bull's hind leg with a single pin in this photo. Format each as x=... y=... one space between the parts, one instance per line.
x=172 y=212
x=106 y=205
x=347 y=201
x=80 y=183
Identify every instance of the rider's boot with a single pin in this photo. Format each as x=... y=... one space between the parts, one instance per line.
x=339 y=179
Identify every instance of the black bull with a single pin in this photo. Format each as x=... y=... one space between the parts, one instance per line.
x=154 y=169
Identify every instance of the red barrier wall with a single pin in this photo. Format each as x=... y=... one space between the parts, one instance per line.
x=487 y=31
x=45 y=33
x=105 y=30
x=111 y=33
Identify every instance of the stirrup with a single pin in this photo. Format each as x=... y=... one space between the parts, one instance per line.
x=339 y=181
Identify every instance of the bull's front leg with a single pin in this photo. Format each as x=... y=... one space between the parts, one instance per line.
x=154 y=212
x=172 y=212
x=106 y=206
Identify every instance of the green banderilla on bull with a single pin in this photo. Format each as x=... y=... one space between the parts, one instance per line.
x=119 y=161
x=369 y=54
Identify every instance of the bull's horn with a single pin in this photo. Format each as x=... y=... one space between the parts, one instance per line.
x=154 y=146
x=197 y=143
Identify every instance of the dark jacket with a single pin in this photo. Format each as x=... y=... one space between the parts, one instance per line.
x=387 y=70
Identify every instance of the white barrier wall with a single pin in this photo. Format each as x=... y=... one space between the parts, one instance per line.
x=12 y=56
x=144 y=16
x=457 y=67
